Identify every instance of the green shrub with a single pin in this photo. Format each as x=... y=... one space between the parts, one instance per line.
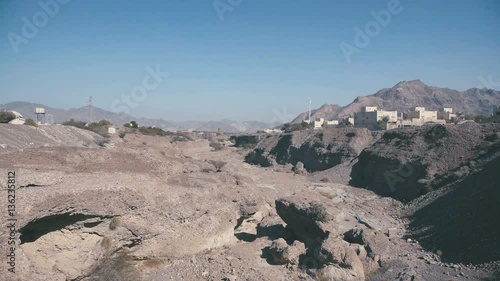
x=94 y=127
x=317 y=212
x=216 y=146
x=249 y=145
x=179 y=138
x=151 y=131
x=132 y=124
x=289 y=127
x=6 y=116
x=31 y=122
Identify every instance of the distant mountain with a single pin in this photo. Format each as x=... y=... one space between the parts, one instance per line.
x=82 y=114
x=406 y=95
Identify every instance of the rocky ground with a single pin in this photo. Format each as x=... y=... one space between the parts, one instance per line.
x=151 y=208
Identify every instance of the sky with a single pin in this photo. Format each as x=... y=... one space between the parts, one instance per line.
x=239 y=59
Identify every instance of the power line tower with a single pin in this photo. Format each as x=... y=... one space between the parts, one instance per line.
x=90 y=109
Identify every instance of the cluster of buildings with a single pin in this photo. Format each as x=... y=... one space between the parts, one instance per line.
x=373 y=118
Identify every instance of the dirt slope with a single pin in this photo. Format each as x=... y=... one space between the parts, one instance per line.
x=15 y=137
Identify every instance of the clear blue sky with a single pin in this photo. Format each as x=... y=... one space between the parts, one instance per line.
x=263 y=56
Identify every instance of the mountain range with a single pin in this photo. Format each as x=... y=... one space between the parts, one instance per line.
x=406 y=95
x=27 y=109
x=403 y=96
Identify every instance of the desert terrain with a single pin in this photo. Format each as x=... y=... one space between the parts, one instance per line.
x=152 y=208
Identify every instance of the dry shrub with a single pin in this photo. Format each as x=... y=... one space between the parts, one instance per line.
x=112 y=268
x=106 y=243
x=115 y=223
x=152 y=263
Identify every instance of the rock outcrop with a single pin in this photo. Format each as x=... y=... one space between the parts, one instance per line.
x=318 y=150
x=409 y=162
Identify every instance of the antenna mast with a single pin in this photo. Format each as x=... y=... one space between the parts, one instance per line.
x=310 y=101
x=90 y=109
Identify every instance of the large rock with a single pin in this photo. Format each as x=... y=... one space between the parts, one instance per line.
x=340 y=261
x=282 y=253
x=306 y=219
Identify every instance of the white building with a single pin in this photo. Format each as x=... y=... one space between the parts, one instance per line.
x=423 y=116
x=322 y=122
x=370 y=116
x=448 y=114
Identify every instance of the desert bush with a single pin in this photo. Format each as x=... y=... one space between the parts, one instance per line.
x=317 y=212
x=249 y=145
x=257 y=157
x=114 y=268
x=218 y=165
x=179 y=138
x=72 y=122
x=350 y=135
x=102 y=142
x=6 y=116
x=216 y=146
x=289 y=127
x=131 y=124
x=106 y=243
x=31 y=122
x=152 y=263
x=115 y=223
x=151 y=131
x=104 y=123
x=94 y=127
x=325 y=179
x=122 y=135
x=299 y=168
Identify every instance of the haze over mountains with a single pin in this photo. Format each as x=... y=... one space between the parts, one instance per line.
x=403 y=96
x=27 y=109
x=406 y=95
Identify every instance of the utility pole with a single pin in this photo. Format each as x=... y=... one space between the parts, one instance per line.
x=310 y=101
x=90 y=109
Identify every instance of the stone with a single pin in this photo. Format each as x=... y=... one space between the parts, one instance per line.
x=303 y=217
x=282 y=253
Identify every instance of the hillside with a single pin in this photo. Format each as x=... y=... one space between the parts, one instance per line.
x=82 y=114
x=407 y=94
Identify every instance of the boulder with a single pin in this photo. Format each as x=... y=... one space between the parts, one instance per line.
x=305 y=218
x=282 y=253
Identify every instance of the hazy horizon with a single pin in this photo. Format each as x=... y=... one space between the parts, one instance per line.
x=239 y=60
